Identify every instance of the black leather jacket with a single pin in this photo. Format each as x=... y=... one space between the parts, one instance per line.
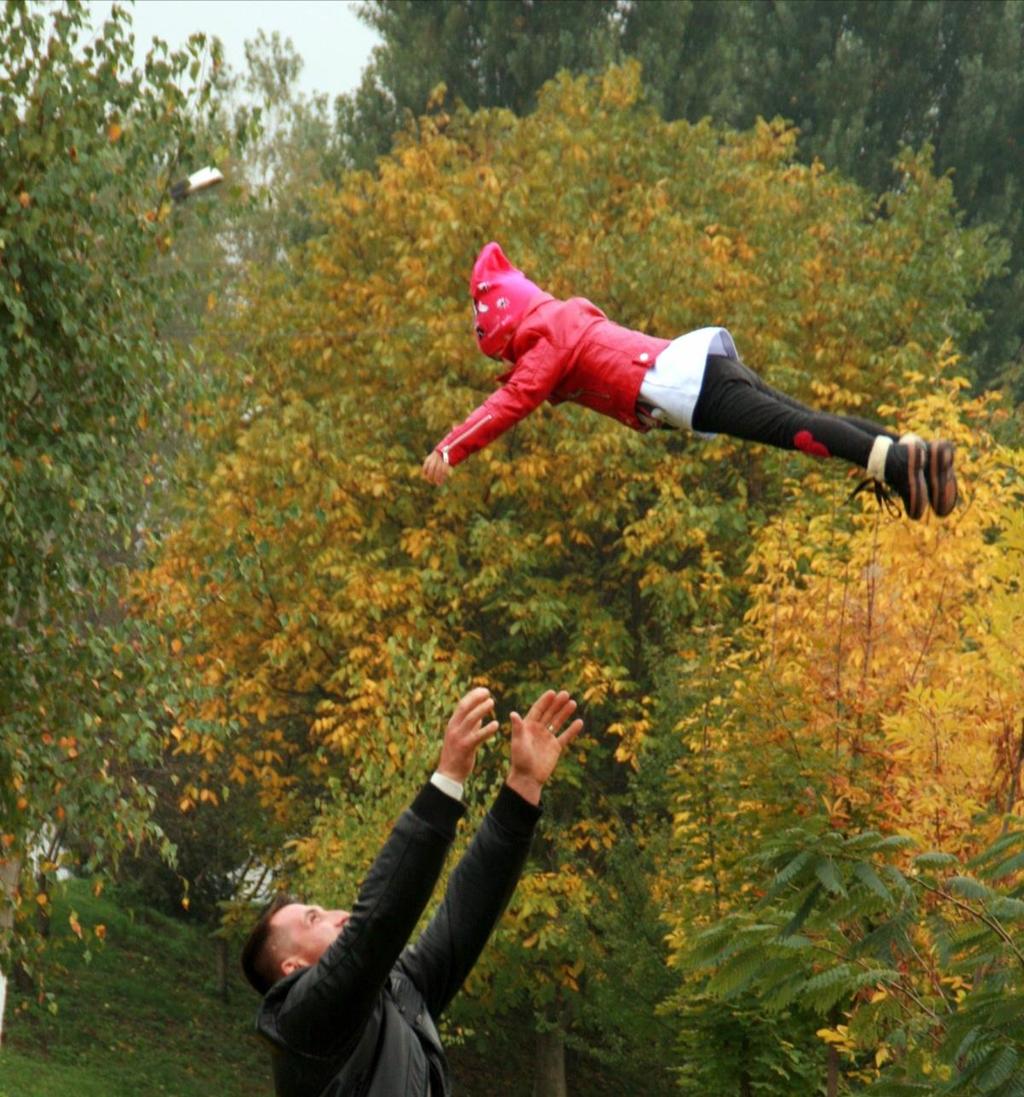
x=360 y=1023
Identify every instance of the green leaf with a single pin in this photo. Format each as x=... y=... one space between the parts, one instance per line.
x=790 y=872
x=999 y=1067
x=866 y=874
x=803 y=912
x=935 y=859
x=825 y=870
x=968 y=888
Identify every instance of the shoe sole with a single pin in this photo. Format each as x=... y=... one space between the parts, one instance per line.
x=942 y=489
x=917 y=489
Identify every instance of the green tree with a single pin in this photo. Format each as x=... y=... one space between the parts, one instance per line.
x=495 y=53
x=911 y=974
x=860 y=80
x=90 y=396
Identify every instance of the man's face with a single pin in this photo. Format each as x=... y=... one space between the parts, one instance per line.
x=305 y=934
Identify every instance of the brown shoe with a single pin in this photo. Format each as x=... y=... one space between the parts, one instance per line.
x=940 y=477
x=905 y=474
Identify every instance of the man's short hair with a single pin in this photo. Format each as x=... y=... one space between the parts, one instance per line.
x=258 y=962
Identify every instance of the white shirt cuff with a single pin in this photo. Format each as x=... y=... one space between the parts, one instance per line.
x=448 y=785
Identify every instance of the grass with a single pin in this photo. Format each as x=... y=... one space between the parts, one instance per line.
x=143 y=1015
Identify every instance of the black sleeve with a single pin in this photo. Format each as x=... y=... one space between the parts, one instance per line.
x=478 y=891
x=328 y=1006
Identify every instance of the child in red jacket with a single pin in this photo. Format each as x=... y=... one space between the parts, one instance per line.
x=569 y=350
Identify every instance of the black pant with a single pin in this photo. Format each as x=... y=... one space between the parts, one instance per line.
x=735 y=401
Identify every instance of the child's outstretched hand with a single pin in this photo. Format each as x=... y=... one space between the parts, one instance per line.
x=435 y=469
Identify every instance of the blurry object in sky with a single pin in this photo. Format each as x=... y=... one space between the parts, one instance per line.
x=197 y=181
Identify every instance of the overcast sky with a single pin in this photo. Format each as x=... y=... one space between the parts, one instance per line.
x=334 y=44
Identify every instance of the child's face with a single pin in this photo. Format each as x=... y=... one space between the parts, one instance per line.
x=489 y=329
x=480 y=333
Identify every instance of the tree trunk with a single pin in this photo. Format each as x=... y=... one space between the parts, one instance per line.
x=9 y=872
x=549 y=1067
x=1012 y=791
x=832 y=1084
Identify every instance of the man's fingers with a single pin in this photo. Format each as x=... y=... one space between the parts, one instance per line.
x=487 y=730
x=570 y=733
x=469 y=720
x=553 y=709
x=472 y=698
x=565 y=706
x=472 y=708
x=539 y=708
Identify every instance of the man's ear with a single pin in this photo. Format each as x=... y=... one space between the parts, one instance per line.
x=292 y=963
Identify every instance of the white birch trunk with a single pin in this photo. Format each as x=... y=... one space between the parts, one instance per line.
x=9 y=872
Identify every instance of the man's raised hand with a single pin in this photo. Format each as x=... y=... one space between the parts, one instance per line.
x=538 y=742
x=465 y=732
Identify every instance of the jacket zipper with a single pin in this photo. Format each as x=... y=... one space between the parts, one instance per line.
x=463 y=437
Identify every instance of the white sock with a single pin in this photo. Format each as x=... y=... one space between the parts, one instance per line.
x=910 y=437
x=876 y=459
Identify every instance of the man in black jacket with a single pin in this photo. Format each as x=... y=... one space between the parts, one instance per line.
x=349 y=1008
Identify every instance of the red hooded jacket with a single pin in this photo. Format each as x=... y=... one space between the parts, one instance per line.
x=559 y=350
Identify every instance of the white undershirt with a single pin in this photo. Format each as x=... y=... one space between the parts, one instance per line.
x=448 y=785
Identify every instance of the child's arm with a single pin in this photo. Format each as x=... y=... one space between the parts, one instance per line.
x=531 y=383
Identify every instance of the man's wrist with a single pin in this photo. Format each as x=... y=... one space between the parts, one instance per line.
x=448 y=785
x=529 y=788
x=438 y=810
x=514 y=813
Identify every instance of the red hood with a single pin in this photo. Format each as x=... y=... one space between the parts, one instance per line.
x=501 y=295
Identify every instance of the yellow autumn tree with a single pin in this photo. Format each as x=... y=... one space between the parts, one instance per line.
x=327 y=605
x=875 y=686
x=879 y=647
